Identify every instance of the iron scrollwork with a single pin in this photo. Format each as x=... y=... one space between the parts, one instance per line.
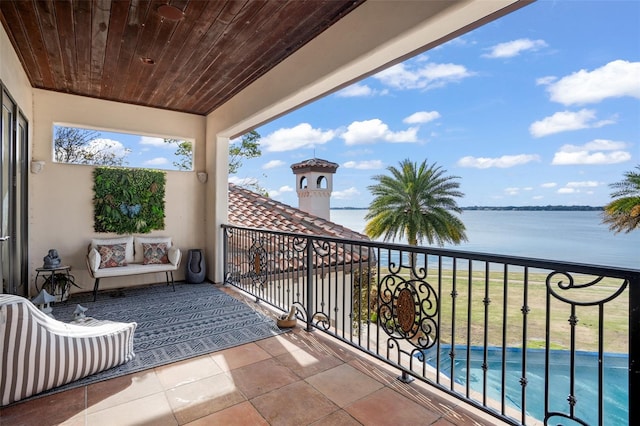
x=408 y=310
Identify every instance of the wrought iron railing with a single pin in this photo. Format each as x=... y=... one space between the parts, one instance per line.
x=522 y=339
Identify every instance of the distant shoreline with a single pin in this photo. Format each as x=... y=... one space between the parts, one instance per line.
x=509 y=208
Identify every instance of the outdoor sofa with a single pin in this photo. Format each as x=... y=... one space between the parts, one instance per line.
x=129 y=255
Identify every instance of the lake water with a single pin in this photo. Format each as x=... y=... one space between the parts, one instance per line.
x=570 y=236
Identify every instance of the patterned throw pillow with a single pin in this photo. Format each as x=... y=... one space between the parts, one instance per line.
x=154 y=253
x=112 y=255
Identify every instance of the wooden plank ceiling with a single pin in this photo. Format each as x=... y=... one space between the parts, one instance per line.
x=126 y=51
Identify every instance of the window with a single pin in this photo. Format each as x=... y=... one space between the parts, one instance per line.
x=78 y=145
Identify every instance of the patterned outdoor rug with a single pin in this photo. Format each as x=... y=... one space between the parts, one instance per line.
x=172 y=326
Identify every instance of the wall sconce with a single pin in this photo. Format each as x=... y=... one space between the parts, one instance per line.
x=36 y=167
x=202 y=177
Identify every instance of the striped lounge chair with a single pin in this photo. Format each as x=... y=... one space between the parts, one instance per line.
x=38 y=353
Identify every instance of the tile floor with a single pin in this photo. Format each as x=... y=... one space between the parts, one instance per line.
x=297 y=378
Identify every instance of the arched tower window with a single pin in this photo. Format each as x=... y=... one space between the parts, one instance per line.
x=321 y=183
x=303 y=182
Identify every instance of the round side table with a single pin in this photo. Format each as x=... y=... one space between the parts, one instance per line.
x=57 y=281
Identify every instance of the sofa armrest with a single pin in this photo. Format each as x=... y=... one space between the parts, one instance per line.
x=174 y=255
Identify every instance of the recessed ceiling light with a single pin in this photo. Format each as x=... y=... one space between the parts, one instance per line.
x=170 y=12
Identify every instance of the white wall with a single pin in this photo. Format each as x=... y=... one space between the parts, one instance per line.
x=61 y=196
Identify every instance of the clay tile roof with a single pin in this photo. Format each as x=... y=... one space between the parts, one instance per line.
x=252 y=210
x=315 y=164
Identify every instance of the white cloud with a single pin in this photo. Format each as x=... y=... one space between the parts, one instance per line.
x=422 y=117
x=501 y=162
x=598 y=151
x=347 y=194
x=107 y=145
x=363 y=165
x=543 y=81
x=616 y=79
x=566 y=120
x=514 y=47
x=515 y=190
x=155 y=142
x=300 y=136
x=583 y=184
x=578 y=187
x=549 y=185
x=280 y=191
x=512 y=191
x=427 y=76
x=273 y=164
x=359 y=90
x=370 y=131
x=158 y=161
x=566 y=190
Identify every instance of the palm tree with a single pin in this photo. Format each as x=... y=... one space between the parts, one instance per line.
x=416 y=203
x=623 y=213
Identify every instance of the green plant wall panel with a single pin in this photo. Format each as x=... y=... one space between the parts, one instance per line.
x=128 y=201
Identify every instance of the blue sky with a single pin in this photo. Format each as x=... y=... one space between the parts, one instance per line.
x=540 y=107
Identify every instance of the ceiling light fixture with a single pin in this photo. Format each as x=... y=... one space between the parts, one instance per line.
x=170 y=12
x=147 y=61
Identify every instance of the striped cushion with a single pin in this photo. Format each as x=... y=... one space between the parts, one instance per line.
x=41 y=353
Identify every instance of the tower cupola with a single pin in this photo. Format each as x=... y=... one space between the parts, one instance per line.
x=314 y=184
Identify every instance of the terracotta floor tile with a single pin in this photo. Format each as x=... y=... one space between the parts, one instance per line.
x=199 y=399
x=239 y=356
x=278 y=345
x=150 y=410
x=67 y=406
x=387 y=407
x=261 y=377
x=293 y=405
x=123 y=389
x=338 y=418
x=242 y=414
x=187 y=371
x=344 y=384
x=309 y=361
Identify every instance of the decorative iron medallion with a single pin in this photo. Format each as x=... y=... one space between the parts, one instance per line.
x=406 y=310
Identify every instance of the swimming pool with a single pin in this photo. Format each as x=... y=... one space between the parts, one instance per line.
x=615 y=387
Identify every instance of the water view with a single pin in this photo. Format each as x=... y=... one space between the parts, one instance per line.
x=571 y=236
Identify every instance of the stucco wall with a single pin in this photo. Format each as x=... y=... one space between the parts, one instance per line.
x=60 y=197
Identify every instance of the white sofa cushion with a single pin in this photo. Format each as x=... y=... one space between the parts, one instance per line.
x=174 y=255
x=134 y=269
x=94 y=259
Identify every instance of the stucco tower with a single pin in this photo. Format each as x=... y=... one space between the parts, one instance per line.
x=314 y=183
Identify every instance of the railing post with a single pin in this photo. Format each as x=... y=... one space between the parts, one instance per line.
x=309 y=265
x=225 y=254
x=634 y=349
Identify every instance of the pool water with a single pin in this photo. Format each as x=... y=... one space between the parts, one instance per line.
x=615 y=387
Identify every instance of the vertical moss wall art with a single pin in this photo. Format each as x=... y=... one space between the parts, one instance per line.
x=128 y=201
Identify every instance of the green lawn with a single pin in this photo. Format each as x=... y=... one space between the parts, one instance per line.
x=508 y=323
